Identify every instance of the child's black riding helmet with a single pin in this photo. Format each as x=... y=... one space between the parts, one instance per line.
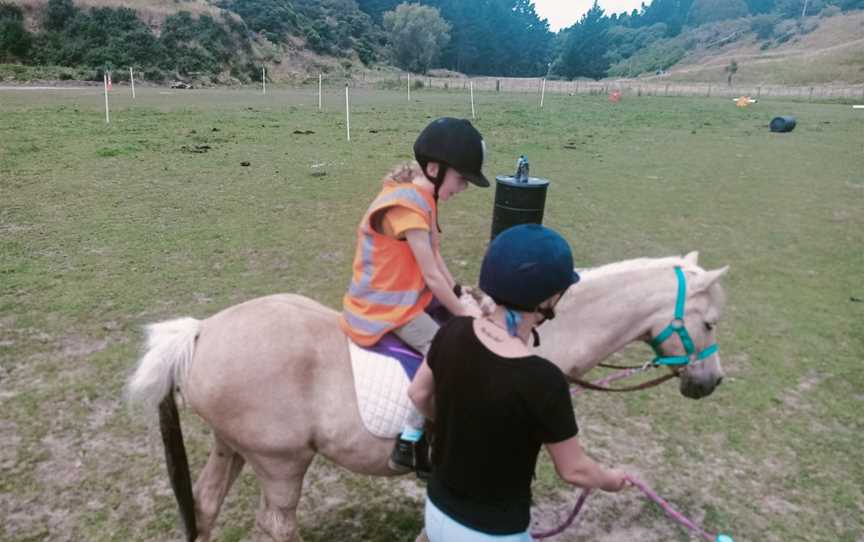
x=452 y=143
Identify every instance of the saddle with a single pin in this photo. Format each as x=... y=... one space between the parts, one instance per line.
x=382 y=373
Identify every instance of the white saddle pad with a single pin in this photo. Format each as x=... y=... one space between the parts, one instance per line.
x=382 y=392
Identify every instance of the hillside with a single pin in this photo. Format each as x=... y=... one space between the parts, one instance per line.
x=151 y=12
x=223 y=41
x=211 y=42
x=815 y=50
x=228 y=41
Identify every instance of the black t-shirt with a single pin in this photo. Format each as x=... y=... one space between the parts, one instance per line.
x=492 y=415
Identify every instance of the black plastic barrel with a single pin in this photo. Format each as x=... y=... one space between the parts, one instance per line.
x=518 y=202
x=783 y=124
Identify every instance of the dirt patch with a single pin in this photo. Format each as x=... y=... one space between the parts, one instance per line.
x=77 y=346
x=9 y=441
x=797 y=398
x=31 y=519
x=64 y=467
x=598 y=519
x=778 y=505
x=14 y=228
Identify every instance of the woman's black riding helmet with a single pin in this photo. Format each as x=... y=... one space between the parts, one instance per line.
x=526 y=265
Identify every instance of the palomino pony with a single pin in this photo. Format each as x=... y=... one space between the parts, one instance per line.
x=272 y=378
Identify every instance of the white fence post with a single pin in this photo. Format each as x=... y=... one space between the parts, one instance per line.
x=105 y=84
x=347 y=114
x=542 y=93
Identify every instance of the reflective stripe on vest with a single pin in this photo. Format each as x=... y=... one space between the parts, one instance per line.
x=370 y=327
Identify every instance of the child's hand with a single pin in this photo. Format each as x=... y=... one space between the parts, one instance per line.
x=477 y=298
x=472 y=310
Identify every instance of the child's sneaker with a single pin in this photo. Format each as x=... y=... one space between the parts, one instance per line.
x=402 y=456
x=407 y=456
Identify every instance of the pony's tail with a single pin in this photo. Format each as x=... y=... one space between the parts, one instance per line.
x=170 y=346
x=178 y=464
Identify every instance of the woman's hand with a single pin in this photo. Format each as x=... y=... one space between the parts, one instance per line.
x=575 y=467
x=616 y=480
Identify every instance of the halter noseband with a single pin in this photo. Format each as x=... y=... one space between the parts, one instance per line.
x=677 y=326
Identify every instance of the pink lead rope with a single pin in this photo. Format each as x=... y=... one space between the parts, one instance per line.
x=570 y=519
x=680 y=518
x=667 y=508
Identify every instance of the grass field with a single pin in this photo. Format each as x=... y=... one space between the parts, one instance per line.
x=106 y=228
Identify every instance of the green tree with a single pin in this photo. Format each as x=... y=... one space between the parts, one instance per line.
x=15 y=41
x=416 y=35
x=273 y=18
x=672 y=13
x=763 y=26
x=58 y=13
x=708 y=11
x=846 y=5
x=731 y=69
x=760 y=6
x=377 y=8
x=495 y=37
x=794 y=8
x=584 y=53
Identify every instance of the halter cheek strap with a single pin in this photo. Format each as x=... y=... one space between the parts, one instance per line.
x=677 y=327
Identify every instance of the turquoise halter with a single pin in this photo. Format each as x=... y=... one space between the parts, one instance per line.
x=677 y=326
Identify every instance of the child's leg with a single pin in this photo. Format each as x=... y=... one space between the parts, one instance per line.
x=418 y=333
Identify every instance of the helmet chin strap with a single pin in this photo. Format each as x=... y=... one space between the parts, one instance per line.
x=438 y=180
x=548 y=313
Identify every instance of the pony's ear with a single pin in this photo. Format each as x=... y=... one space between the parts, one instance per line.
x=692 y=258
x=708 y=278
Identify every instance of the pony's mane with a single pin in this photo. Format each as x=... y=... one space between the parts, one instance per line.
x=632 y=265
x=715 y=291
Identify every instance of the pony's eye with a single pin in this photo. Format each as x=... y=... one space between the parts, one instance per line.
x=709 y=326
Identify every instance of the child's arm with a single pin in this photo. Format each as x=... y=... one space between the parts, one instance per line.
x=444 y=270
x=435 y=279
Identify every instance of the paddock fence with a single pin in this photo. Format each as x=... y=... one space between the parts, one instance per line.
x=627 y=87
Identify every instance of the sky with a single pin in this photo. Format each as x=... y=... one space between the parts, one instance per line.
x=563 y=13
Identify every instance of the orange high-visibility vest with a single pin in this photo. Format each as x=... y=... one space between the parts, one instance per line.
x=387 y=288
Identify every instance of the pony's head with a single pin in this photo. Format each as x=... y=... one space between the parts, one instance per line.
x=684 y=338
